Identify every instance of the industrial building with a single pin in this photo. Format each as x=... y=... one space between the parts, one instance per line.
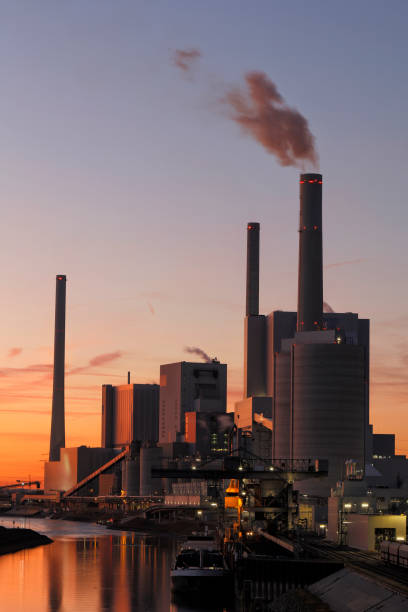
x=363 y=521
x=312 y=367
x=74 y=465
x=253 y=419
x=130 y=413
x=189 y=387
x=209 y=432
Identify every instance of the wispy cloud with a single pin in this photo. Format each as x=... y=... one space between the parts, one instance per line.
x=105 y=358
x=98 y=360
x=68 y=413
x=399 y=323
x=33 y=383
x=35 y=368
x=151 y=308
x=346 y=263
x=13 y=352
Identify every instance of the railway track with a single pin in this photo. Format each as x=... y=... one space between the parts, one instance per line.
x=395 y=578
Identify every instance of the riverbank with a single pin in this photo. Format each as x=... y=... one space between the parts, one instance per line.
x=13 y=539
x=163 y=528
x=116 y=521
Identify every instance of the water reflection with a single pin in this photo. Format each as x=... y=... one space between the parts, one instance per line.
x=89 y=568
x=54 y=569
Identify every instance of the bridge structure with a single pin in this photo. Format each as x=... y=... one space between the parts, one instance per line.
x=242 y=467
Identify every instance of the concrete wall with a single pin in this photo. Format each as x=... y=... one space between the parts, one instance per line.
x=281 y=406
x=328 y=405
x=254 y=356
x=394 y=472
x=333 y=518
x=107 y=414
x=149 y=457
x=90 y=459
x=129 y=413
x=384 y=445
x=131 y=476
x=279 y=325
x=246 y=408
x=261 y=442
x=170 y=399
x=243 y=413
x=122 y=418
x=106 y=484
x=74 y=465
x=146 y=413
x=63 y=474
x=361 y=528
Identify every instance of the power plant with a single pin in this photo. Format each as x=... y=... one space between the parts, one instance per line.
x=313 y=367
x=306 y=380
x=297 y=450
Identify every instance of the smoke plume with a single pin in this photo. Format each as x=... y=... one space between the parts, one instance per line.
x=197 y=351
x=262 y=113
x=185 y=58
x=327 y=307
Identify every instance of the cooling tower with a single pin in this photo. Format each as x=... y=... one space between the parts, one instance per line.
x=328 y=404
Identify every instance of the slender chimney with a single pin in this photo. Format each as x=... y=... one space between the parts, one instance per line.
x=57 y=440
x=254 y=324
x=252 y=279
x=310 y=287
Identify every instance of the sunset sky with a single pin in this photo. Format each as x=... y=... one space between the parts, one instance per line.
x=127 y=175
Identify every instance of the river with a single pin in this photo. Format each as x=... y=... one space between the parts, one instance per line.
x=89 y=568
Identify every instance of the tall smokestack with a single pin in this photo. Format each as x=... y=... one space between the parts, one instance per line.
x=57 y=440
x=310 y=287
x=252 y=278
x=254 y=327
